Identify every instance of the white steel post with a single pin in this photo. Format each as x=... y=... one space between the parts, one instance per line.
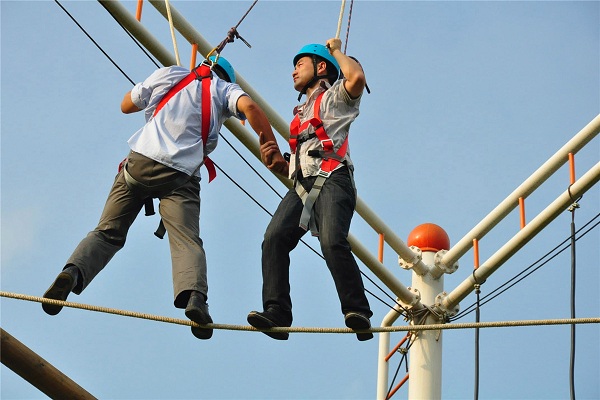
x=425 y=357
x=430 y=243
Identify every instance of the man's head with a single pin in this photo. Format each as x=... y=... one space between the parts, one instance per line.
x=223 y=69
x=312 y=63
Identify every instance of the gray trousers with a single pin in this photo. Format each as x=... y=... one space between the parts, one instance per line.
x=180 y=212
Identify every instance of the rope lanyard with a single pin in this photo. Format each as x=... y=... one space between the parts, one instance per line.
x=339 y=27
x=231 y=36
x=348 y=27
x=172 y=28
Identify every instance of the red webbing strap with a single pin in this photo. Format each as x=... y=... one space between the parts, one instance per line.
x=202 y=71
x=174 y=90
x=296 y=128
x=206 y=108
x=328 y=164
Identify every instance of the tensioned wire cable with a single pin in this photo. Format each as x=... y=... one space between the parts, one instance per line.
x=403 y=359
x=403 y=312
x=142 y=48
x=528 y=271
x=93 y=41
x=572 y=209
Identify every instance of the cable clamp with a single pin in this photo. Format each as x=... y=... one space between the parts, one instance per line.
x=575 y=204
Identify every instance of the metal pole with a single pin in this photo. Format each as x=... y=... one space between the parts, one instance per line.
x=384 y=348
x=589 y=132
x=425 y=366
x=558 y=206
x=37 y=371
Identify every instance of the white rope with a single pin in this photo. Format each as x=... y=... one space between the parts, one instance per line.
x=339 y=27
x=172 y=32
x=409 y=328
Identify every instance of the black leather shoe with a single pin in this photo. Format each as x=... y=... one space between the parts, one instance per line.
x=60 y=289
x=267 y=320
x=197 y=311
x=358 y=321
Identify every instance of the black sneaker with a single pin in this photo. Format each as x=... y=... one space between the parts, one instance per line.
x=197 y=311
x=267 y=320
x=358 y=321
x=60 y=289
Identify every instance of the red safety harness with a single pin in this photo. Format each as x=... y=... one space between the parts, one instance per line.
x=330 y=160
x=202 y=72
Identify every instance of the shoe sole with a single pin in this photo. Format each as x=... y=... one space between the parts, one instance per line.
x=357 y=322
x=260 y=322
x=200 y=318
x=59 y=290
x=202 y=333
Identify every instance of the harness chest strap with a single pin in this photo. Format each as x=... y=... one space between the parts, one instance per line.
x=330 y=160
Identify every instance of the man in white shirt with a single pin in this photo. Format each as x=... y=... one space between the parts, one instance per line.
x=184 y=112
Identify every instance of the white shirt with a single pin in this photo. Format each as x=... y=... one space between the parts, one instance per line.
x=338 y=111
x=173 y=137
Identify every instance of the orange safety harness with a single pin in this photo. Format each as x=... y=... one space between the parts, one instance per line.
x=330 y=160
x=202 y=73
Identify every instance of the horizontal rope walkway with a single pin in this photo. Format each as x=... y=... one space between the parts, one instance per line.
x=133 y=314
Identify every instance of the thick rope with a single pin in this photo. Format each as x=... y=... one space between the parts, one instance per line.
x=339 y=27
x=412 y=328
x=172 y=28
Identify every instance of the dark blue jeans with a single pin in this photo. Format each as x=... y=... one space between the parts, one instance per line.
x=333 y=212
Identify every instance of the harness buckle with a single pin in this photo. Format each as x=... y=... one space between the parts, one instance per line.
x=324 y=174
x=327 y=144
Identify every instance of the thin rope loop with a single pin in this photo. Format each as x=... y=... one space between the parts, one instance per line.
x=339 y=27
x=348 y=27
x=172 y=28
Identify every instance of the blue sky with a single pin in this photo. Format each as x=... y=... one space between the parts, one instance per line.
x=468 y=100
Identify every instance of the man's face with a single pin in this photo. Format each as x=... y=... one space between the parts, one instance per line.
x=303 y=72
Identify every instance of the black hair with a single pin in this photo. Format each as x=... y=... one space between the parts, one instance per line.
x=221 y=73
x=332 y=72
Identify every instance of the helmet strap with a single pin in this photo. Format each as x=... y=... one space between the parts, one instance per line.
x=314 y=79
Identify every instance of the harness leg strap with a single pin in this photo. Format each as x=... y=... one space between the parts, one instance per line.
x=161 y=230
x=149 y=206
x=309 y=200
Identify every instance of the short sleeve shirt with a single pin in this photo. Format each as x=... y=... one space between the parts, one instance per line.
x=173 y=137
x=338 y=111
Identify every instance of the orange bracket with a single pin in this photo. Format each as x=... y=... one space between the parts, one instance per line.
x=194 y=52
x=398 y=386
x=572 y=167
x=138 y=12
x=387 y=358
x=381 y=241
x=522 y=211
x=476 y=253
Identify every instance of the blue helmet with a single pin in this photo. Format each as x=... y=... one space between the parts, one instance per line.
x=225 y=67
x=318 y=50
